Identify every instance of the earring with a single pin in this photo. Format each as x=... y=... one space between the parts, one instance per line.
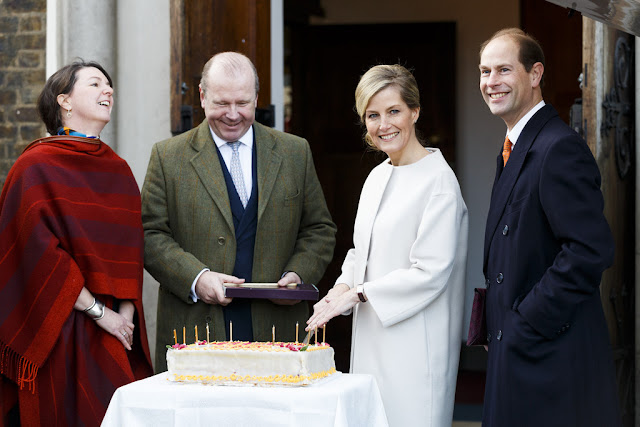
x=69 y=113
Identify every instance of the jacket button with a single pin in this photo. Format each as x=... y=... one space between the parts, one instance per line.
x=505 y=230
x=500 y=278
x=499 y=335
x=208 y=319
x=221 y=240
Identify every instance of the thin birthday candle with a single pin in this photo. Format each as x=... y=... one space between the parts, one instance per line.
x=324 y=332
x=273 y=334
x=196 y=334
x=175 y=337
x=230 y=331
x=208 y=333
x=297 y=332
x=184 y=335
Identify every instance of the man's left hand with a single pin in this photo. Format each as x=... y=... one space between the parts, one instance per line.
x=290 y=277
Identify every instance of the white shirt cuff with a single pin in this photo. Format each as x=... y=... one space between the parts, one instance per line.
x=192 y=294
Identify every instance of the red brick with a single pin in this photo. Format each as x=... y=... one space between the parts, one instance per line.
x=30 y=132
x=8 y=24
x=22 y=78
x=23 y=115
x=30 y=41
x=29 y=59
x=7 y=97
x=26 y=5
x=31 y=23
x=8 y=131
x=29 y=94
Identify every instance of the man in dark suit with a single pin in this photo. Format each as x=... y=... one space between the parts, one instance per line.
x=546 y=245
x=228 y=201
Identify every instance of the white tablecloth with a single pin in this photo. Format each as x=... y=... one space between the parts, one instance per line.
x=339 y=400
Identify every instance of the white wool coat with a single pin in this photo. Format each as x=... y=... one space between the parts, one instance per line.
x=410 y=246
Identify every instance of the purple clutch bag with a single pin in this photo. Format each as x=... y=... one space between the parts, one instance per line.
x=478 y=324
x=301 y=291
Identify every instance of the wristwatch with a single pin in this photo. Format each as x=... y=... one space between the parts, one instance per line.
x=360 y=292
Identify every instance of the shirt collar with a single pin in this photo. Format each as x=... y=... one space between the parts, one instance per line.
x=514 y=134
x=246 y=139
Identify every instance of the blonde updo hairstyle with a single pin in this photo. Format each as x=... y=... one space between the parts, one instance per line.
x=380 y=77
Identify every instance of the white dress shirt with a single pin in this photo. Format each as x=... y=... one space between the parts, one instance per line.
x=245 y=152
x=514 y=134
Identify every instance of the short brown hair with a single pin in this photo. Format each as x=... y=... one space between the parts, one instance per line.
x=380 y=77
x=530 y=50
x=61 y=82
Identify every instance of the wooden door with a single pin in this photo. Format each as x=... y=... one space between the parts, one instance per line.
x=199 y=30
x=326 y=64
x=608 y=124
x=560 y=35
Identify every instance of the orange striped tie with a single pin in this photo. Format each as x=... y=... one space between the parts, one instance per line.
x=506 y=150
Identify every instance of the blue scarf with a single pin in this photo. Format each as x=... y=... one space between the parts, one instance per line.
x=68 y=131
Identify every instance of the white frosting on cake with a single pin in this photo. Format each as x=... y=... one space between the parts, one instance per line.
x=241 y=362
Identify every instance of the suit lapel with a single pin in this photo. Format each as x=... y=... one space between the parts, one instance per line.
x=268 y=165
x=207 y=165
x=506 y=177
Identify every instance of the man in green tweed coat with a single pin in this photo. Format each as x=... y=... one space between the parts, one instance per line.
x=202 y=226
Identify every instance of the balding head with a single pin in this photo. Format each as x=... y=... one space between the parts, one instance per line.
x=229 y=95
x=230 y=64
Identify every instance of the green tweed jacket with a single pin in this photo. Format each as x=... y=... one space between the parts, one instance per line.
x=188 y=226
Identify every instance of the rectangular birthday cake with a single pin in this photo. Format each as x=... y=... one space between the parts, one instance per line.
x=250 y=363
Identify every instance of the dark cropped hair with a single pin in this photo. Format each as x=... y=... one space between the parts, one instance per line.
x=61 y=82
x=530 y=50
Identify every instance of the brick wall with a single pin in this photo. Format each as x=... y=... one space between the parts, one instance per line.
x=22 y=75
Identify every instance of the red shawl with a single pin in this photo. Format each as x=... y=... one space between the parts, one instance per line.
x=69 y=217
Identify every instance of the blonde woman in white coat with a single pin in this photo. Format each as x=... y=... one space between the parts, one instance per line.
x=404 y=278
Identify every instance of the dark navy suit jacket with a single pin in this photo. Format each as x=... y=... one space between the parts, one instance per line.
x=245 y=222
x=546 y=245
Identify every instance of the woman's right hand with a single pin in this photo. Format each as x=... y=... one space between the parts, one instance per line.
x=118 y=326
x=333 y=293
x=322 y=308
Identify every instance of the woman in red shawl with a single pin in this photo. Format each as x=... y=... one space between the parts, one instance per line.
x=71 y=257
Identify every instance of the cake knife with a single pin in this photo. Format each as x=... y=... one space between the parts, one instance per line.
x=306 y=339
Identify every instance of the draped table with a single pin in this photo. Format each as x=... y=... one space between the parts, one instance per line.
x=339 y=400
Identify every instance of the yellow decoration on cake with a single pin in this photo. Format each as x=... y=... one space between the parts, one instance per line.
x=259 y=363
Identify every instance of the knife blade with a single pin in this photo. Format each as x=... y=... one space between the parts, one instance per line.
x=306 y=339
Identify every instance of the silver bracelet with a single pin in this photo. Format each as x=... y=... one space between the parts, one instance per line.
x=95 y=310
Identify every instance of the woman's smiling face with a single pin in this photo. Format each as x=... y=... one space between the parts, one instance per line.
x=391 y=123
x=90 y=102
